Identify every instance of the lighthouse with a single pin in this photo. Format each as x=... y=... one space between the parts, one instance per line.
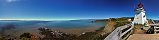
x=140 y=17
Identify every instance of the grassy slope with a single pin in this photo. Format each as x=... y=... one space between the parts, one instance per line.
x=113 y=23
x=137 y=29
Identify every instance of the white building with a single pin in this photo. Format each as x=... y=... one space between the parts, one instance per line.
x=140 y=17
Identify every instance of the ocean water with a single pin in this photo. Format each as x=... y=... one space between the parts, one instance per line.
x=15 y=28
x=51 y=24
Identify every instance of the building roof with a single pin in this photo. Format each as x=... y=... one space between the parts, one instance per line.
x=140 y=5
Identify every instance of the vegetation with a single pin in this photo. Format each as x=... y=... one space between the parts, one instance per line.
x=138 y=29
x=25 y=35
x=55 y=35
x=112 y=24
x=103 y=20
x=120 y=21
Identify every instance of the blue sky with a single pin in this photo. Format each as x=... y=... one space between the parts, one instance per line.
x=74 y=9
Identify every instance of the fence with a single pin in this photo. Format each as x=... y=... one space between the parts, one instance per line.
x=120 y=33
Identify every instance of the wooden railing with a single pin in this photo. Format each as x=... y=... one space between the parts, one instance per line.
x=120 y=33
x=156 y=28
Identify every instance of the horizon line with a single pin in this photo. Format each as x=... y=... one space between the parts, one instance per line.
x=51 y=19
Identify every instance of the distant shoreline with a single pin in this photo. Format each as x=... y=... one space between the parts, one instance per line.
x=76 y=31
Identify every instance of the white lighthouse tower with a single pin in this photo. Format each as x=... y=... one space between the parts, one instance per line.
x=140 y=17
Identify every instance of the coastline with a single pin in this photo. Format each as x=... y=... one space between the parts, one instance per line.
x=35 y=31
x=76 y=31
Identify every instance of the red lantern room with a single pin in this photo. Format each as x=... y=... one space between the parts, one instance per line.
x=140 y=5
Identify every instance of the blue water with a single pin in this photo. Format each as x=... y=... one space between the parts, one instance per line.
x=53 y=24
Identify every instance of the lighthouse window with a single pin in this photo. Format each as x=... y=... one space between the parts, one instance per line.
x=141 y=9
x=144 y=16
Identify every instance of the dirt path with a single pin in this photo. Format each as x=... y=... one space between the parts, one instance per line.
x=144 y=37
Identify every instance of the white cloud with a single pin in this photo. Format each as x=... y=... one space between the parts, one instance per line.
x=11 y=1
